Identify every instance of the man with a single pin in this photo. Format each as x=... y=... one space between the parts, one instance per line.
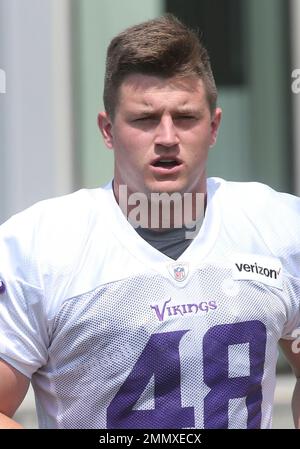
x=125 y=326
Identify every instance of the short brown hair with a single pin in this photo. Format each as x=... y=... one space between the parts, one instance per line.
x=162 y=47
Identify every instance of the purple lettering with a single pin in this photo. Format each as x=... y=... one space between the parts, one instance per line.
x=190 y=307
x=177 y=309
x=160 y=314
x=212 y=305
x=203 y=306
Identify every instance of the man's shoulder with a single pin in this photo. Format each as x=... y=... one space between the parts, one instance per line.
x=56 y=231
x=57 y=224
x=54 y=212
x=263 y=215
x=254 y=197
x=239 y=190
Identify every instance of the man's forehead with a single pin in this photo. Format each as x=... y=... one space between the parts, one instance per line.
x=148 y=92
x=148 y=83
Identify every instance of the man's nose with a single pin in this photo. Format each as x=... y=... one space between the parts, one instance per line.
x=166 y=133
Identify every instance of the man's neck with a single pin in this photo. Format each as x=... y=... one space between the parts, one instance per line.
x=162 y=211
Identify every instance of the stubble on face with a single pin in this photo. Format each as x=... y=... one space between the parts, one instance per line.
x=161 y=131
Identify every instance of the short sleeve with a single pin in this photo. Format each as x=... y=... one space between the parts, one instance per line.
x=287 y=241
x=23 y=324
x=292 y=327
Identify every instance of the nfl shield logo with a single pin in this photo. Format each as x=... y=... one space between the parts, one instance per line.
x=179 y=272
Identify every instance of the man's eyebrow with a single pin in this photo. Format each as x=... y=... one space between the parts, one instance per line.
x=188 y=110
x=145 y=112
x=178 y=110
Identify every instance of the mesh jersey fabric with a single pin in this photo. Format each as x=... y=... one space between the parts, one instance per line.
x=113 y=337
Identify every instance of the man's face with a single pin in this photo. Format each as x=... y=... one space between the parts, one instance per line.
x=161 y=134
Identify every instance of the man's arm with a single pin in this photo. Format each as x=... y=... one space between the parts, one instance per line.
x=13 y=388
x=294 y=360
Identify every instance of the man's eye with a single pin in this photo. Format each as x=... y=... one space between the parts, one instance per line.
x=185 y=117
x=146 y=117
x=144 y=120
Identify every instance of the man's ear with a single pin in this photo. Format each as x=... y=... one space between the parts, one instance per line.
x=215 y=123
x=105 y=126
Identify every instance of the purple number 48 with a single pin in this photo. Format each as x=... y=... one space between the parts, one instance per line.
x=160 y=359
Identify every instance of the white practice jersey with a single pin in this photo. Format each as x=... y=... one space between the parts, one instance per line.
x=115 y=334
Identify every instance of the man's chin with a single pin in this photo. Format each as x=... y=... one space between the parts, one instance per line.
x=166 y=187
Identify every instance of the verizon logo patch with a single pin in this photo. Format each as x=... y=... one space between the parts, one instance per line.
x=267 y=270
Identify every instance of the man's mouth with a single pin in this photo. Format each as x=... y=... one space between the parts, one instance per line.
x=162 y=166
x=166 y=163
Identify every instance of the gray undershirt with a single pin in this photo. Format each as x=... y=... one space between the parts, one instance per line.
x=171 y=242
